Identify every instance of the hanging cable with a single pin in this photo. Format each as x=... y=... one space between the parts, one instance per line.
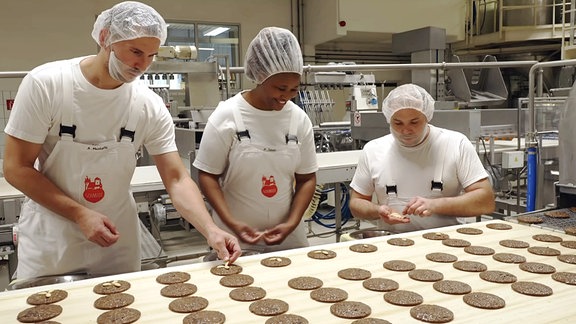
x=328 y=219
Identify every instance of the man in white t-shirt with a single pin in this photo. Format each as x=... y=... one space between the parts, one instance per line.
x=422 y=176
x=71 y=146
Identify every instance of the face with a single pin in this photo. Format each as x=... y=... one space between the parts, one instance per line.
x=130 y=59
x=409 y=126
x=277 y=90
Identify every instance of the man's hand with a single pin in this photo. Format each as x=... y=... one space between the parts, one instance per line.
x=391 y=216
x=225 y=244
x=277 y=234
x=420 y=206
x=98 y=228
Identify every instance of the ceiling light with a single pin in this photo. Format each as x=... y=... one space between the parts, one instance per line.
x=205 y=49
x=216 y=31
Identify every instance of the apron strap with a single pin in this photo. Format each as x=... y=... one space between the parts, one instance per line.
x=127 y=133
x=437 y=184
x=241 y=132
x=292 y=136
x=67 y=128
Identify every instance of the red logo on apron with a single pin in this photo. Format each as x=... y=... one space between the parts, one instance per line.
x=269 y=188
x=93 y=191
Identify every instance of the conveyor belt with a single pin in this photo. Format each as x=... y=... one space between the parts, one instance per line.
x=550 y=223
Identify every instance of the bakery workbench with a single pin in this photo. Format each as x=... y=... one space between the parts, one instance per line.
x=556 y=308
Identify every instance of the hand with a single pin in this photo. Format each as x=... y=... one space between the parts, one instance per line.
x=420 y=206
x=391 y=216
x=277 y=234
x=247 y=234
x=98 y=228
x=225 y=244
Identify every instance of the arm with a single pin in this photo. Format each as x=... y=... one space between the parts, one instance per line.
x=213 y=192
x=188 y=201
x=19 y=171
x=304 y=191
x=478 y=199
x=362 y=207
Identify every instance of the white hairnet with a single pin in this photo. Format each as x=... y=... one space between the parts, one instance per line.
x=274 y=50
x=408 y=96
x=130 y=20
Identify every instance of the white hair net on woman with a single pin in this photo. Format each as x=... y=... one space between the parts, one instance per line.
x=408 y=96
x=274 y=50
x=129 y=20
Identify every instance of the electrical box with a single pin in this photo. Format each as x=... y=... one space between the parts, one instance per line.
x=512 y=160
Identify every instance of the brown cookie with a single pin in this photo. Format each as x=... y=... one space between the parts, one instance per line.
x=531 y=288
x=469 y=231
x=321 y=254
x=123 y=315
x=350 y=309
x=268 y=307
x=225 y=269
x=425 y=275
x=565 y=277
x=568 y=244
x=178 y=290
x=456 y=243
x=111 y=287
x=188 y=304
x=114 y=301
x=484 y=300
x=354 y=274
x=329 y=295
x=371 y=320
x=543 y=250
x=570 y=230
x=400 y=241
x=567 y=258
x=537 y=267
x=305 y=283
x=363 y=248
x=247 y=293
x=173 y=277
x=514 y=244
x=431 y=313
x=47 y=297
x=39 y=313
x=452 y=287
x=236 y=280
x=380 y=284
x=441 y=257
x=287 y=319
x=557 y=214
x=470 y=266
x=403 y=298
x=399 y=265
x=498 y=276
x=547 y=238
x=479 y=250
x=509 y=258
x=436 y=236
x=499 y=226
x=275 y=262
x=205 y=317
x=530 y=219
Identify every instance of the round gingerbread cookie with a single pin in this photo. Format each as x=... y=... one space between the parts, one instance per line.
x=456 y=242
x=188 y=304
x=247 y=293
x=305 y=283
x=565 y=277
x=470 y=266
x=123 y=315
x=350 y=309
x=173 y=277
x=530 y=219
x=568 y=244
x=531 y=288
x=498 y=276
x=570 y=230
x=329 y=295
x=431 y=313
x=380 y=284
x=452 y=287
x=403 y=298
x=479 y=250
x=499 y=226
x=484 y=300
x=543 y=250
x=111 y=287
x=557 y=214
x=205 y=317
x=547 y=238
x=370 y=320
x=509 y=258
x=275 y=262
x=567 y=258
x=114 y=301
x=225 y=269
x=425 y=275
x=537 y=267
x=236 y=280
x=268 y=307
x=354 y=274
x=321 y=254
x=514 y=244
x=399 y=265
x=435 y=236
x=39 y=313
x=47 y=297
x=178 y=290
x=287 y=319
x=469 y=231
x=441 y=257
x=400 y=241
x=363 y=248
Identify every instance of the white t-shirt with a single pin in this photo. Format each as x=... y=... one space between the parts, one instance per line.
x=100 y=114
x=266 y=128
x=383 y=162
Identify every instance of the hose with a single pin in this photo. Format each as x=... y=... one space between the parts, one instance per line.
x=328 y=219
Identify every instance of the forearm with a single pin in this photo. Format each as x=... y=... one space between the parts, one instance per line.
x=472 y=203
x=364 y=208
x=303 y=194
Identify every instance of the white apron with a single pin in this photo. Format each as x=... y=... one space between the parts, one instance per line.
x=97 y=176
x=259 y=185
